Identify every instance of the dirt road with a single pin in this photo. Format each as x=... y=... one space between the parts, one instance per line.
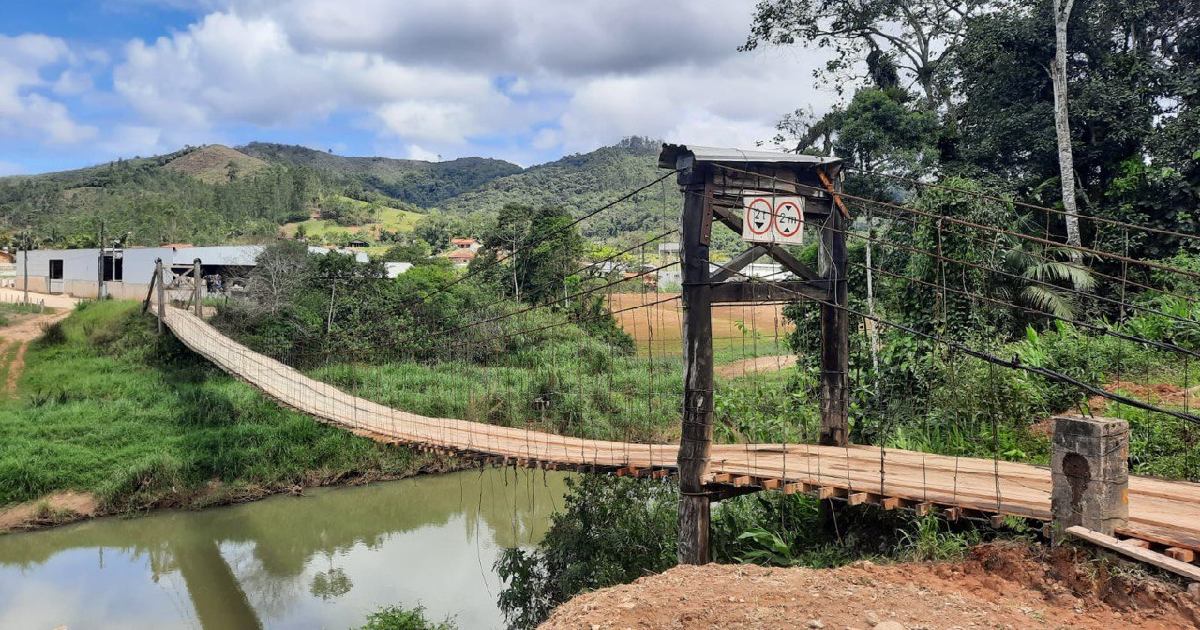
x=755 y=366
x=22 y=330
x=999 y=586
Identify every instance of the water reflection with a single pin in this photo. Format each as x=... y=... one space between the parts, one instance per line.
x=323 y=560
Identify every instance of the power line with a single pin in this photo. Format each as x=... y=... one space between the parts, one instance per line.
x=559 y=230
x=576 y=321
x=1077 y=215
x=1079 y=248
x=558 y=301
x=1013 y=363
x=1044 y=258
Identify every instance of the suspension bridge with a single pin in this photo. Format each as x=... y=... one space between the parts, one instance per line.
x=726 y=187
x=1161 y=512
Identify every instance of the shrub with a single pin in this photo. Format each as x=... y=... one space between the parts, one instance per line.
x=397 y=618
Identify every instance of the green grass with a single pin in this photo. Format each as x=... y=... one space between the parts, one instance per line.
x=107 y=406
x=579 y=387
x=390 y=219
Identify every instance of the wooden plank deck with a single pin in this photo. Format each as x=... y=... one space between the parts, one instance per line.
x=1166 y=513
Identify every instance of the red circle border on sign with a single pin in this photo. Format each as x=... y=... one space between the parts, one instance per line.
x=770 y=213
x=799 y=222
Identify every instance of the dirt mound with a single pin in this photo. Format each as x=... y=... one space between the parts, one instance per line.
x=215 y=164
x=999 y=586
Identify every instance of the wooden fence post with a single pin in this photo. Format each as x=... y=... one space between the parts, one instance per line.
x=196 y=287
x=162 y=293
x=835 y=335
x=1089 y=474
x=696 y=438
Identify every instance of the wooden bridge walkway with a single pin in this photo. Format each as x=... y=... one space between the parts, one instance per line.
x=1163 y=513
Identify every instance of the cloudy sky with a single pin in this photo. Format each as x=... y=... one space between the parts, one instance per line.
x=524 y=80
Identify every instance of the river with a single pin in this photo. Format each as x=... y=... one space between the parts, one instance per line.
x=322 y=560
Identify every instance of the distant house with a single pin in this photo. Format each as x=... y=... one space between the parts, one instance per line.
x=668 y=248
x=465 y=243
x=462 y=251
x=461 y=257
x=358 y=243
x=7 y=257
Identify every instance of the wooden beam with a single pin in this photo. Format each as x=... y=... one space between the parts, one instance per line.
x=1134 y=542
x=1145 y=555
x=741 y=481
x=835 y=338
x=727 y=216
x=791 y=263
x=889 y=503
x=739 y=262
x=695 y=440
x=771 y=484
x=1180 y=554
x=737 y=291
x=857 y=498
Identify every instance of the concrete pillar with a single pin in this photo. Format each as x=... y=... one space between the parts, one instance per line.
x=1089 y=472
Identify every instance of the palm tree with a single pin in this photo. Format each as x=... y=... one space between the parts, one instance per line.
x=1054 y=280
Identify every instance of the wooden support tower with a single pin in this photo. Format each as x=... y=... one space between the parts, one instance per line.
x=196 y=288
x=725 y=185
x=696 y=436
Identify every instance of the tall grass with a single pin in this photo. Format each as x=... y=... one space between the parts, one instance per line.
x=107 y=406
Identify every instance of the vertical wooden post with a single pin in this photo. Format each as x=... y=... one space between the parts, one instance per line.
x=196 y=287
x=696 y=437
x=162 y=293
x=835 y=335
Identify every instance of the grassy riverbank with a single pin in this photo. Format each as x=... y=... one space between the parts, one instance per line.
x=105 y=406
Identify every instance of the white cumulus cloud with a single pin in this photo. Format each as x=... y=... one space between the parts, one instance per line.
x=25 y=110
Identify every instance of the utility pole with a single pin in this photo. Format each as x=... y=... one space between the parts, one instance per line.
x=162 y=293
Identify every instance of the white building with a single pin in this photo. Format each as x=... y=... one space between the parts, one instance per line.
x=128 y=272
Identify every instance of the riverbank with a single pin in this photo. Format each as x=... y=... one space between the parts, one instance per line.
x=1000 y=585
x=107 y=418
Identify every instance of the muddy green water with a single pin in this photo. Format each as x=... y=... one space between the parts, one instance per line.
x=324 y=560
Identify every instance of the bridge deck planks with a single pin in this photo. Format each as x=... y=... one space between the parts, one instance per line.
x=1164 y=512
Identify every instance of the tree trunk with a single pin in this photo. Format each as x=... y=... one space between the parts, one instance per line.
x=1062 y=124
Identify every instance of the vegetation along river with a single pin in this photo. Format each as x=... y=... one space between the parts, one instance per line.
x=323 y=560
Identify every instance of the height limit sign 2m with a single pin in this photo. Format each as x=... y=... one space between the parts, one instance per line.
x=771 y=219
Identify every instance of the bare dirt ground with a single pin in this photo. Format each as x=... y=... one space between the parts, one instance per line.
x=51 y=509
x=998 y=586
x=756 y=366
x=662 y=324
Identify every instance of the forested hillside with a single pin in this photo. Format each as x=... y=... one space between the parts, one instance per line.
x=585 y=181
x=215 y=194
x=414 y=181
